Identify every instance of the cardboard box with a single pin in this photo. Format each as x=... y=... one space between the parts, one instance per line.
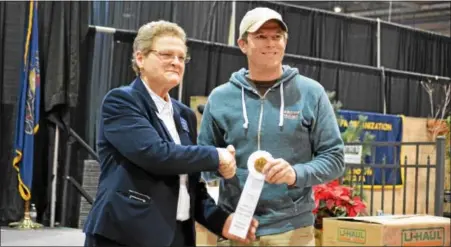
x=204 y=237
x=390 y=230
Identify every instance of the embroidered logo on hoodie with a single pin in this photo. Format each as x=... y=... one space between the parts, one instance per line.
x=291 y=114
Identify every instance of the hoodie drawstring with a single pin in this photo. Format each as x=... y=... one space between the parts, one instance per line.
x=282 y=105
x=243 y=103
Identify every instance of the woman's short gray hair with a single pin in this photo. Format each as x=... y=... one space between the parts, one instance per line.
x=148 y=32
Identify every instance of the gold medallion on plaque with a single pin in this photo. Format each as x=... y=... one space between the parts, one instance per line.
x=259 y=164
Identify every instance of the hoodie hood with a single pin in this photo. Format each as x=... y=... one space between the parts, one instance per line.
x=240 y=80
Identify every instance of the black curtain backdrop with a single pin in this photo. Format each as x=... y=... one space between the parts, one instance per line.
x=325 y=35
x=203 y=20
x=406 y=95
x=322 y=35
x=410 y=50
x=212 y=65
x=358 y=89
x=63 y=48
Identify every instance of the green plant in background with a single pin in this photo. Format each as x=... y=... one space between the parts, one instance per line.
x=353 y=134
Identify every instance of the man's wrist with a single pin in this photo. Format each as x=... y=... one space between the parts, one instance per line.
x=293 y=183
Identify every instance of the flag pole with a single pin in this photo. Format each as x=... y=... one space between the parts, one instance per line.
x=26 y=223
x=28 y=118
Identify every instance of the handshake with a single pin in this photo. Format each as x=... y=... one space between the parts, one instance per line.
x=227 y=162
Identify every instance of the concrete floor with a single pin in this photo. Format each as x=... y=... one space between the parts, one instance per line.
x=58 y=236
x=42 y=237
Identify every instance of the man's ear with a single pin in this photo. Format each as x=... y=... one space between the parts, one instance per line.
x=243 y=45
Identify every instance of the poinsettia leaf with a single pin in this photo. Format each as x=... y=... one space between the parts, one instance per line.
x=330 y=203
x=345 y=198
x=333 y=199
x=337 y=192
x=334 y=183
x=341 y=213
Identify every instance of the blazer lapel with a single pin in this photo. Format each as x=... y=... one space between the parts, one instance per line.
x=138 y=85
x=151 y=107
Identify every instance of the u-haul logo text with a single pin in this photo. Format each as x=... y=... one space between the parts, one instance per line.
x=351 y=235
x=423 y=237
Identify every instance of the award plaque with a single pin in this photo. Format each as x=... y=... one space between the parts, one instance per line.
x=250 y=195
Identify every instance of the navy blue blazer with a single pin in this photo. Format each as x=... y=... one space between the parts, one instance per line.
x=136 y=201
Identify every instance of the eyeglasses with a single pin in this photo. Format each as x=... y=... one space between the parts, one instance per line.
x=167 y=56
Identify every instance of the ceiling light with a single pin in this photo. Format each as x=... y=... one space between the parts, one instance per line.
x=337 y=9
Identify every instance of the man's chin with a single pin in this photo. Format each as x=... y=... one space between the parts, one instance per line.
x=271 y=66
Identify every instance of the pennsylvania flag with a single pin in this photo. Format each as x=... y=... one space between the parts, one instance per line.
x=28 y=110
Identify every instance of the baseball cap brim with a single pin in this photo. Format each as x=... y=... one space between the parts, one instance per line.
x=253 y=28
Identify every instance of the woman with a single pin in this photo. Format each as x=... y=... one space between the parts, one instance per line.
x=149 y=192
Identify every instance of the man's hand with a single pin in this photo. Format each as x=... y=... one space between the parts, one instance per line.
x=227 y=162
x=279 y=171
x=250 y=232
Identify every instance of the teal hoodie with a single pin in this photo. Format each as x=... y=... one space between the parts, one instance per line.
x=295 y=121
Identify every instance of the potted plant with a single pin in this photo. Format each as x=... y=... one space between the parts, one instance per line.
x=439 y=108
x=335 y=200
x=353 y=134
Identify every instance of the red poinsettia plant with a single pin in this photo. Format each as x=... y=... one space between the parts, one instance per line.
x=334 y=200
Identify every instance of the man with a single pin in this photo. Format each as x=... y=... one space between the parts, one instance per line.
x=271 y=107
x=149 y=191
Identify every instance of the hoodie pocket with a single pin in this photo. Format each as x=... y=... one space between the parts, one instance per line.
x=296 y=194
x=302 y=199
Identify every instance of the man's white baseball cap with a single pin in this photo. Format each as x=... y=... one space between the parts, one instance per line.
x=255 y=18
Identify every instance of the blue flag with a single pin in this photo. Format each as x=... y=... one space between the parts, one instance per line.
x=385 y=128
x=27 y=124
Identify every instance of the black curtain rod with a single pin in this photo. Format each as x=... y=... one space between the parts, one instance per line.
x=437 y=78
x=398 y=25
x=123 y=35
x=334 y=62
